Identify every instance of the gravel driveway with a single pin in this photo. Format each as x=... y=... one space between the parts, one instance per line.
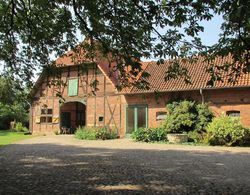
x=64 y=165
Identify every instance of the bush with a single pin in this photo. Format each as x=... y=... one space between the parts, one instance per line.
x=196 y=136
x=186 y=116
x=227 y=131
x=204 y=117
x=20 y=128
x=149 y=134
x=105 y=133
x=88 y=133
x=93 y=133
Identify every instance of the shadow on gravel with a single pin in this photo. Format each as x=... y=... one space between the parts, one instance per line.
x=58 y=169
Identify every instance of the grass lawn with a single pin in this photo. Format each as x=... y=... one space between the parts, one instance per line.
x=9 y=137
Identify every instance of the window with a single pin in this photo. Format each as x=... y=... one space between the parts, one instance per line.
x=46 y=111
x=233 y=113
x=46 y=115
x=100 y=119
x=161 y=116
x=136 y=117
x=73 y=87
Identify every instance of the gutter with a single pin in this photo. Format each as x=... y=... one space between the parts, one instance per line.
x=197 y=89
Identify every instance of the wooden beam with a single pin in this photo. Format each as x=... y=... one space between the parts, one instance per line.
x=104 y=101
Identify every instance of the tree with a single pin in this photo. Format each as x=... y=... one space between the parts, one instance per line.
x=13 y=103
x=126 y=30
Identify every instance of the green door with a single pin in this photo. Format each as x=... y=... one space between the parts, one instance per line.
x=136 y=117
x=66 y=119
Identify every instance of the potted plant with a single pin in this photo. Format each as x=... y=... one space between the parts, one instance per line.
x=177 y=137
x=179 y=121
x=185 y=117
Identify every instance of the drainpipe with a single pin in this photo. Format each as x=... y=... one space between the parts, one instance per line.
x=202 y=96
x=30 y=117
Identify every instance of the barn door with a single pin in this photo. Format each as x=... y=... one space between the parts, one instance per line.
x=66 y=119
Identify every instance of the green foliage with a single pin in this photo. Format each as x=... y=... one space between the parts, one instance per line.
x=20 y=128
x=13 y=103
x=105 y=133
x=31 y=30
x=88 y=133
x=149 y=134
x=196 y=136
x=9 y=137
x=186 y=116
x=228 y=131
x=93 y=133
x=204 y=117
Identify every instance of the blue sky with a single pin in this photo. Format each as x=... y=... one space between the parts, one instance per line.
x=211 y=30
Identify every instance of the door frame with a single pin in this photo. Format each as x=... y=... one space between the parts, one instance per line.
x=135 y=106
x=79 y=100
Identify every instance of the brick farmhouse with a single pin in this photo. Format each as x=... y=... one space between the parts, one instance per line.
x=128 y=109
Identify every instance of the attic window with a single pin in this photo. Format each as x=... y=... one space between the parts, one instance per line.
x=161 y=116
x=233 y=113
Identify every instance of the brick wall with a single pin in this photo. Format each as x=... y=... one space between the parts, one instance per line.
x=107 y=107
x=219 y=100
x=103 y=106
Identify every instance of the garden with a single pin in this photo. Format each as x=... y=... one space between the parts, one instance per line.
x=187 y=122
x=191 y=122
x=94 y=133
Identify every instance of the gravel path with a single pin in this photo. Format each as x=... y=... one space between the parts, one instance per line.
x=64 y=165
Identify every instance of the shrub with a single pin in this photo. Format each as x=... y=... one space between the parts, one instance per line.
x=186 y=116
x=88 y=133
x=92 y=133
x=149 y=134
x=20 y=128
x=105 y=133
x=204 y=117
x=196 y=136
x=228 y=131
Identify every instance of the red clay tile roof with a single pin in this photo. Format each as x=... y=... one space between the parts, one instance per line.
x=197 y=72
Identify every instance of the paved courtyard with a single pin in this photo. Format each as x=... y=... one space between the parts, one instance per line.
x=64 y=165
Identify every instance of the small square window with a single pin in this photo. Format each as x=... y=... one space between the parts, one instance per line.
x=101 y=118
x=233 y=113
x=43 y=111
x=49 y=119
x=43 y=119
x=161 y=116
x=49 y=111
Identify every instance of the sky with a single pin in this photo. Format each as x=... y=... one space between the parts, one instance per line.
x=209 y=37
x=211 y=30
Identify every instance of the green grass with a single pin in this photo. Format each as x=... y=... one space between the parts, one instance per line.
x=9 y=137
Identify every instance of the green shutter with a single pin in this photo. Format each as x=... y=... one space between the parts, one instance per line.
x=73 y=87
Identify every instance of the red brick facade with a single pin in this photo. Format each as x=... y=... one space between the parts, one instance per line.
x=108 y=107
